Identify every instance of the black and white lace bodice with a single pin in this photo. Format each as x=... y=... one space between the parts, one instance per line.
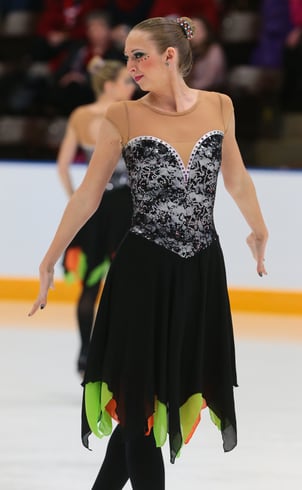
x=173 y=204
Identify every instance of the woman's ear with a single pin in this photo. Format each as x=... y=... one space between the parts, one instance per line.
x=170 y=55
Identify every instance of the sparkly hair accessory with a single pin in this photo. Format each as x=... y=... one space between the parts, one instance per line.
x=186 y=27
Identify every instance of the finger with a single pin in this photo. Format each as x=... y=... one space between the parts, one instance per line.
x=39 y=304
x=34 y=308
x=261 y=268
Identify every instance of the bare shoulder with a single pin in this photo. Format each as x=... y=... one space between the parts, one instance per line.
x=82 y=109
x=79 y=113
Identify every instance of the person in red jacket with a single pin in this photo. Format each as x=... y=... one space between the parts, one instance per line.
x=61 y=23
x=70 y=83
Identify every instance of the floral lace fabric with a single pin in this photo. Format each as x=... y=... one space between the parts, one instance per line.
x=173 y=204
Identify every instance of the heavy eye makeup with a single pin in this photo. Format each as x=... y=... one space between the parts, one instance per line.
x=138 y=55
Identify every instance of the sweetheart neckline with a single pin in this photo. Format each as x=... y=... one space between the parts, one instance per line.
x=185 y=168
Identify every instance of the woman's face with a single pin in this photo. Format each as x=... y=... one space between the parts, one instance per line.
x=123 y=86
x=146 y=66
x=98 y=32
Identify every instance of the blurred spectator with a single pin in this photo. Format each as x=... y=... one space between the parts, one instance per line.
x=19 y=17
x=210 y=9
x=294 y=36
x=292 y=84
x=71 y=83
x=209 y=63
x=61 y=23
x=129 y=12
x=275 y=26
x=118 y=35
x=67 y=86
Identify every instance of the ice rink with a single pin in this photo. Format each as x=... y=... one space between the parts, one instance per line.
x=40 y=446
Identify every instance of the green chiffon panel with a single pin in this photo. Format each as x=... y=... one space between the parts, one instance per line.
x=99 y=413
x=97 y=396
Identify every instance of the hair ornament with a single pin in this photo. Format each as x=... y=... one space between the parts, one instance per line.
x=186 y=27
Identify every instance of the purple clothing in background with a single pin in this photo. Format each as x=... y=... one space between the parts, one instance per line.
x=275 y=25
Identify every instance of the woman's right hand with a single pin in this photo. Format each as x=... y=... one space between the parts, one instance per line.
x=257 y=247
x=46 y=283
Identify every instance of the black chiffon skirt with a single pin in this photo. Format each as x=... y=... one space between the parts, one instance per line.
x=162 y=347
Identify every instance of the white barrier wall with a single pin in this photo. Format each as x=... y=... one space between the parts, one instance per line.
x=32 y=201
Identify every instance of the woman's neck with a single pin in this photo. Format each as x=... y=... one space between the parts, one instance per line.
x=177 y=97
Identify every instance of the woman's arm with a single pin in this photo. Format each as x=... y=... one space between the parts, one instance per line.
x=67 y=152
x=81 y=206
x=239 y=184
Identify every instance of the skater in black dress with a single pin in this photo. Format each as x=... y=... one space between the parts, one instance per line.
x=88 y=256
x=162 y=348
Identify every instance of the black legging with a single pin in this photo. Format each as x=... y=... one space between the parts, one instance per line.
x=138 y=459
x=85 y=315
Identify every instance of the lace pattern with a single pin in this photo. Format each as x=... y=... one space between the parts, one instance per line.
x=172 y=204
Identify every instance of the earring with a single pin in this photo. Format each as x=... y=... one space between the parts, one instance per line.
x=167 y=63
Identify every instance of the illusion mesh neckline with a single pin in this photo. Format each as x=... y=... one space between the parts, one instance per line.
x=170 y=113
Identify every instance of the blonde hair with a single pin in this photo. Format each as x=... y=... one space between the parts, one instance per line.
x=166 y=32
x=102 y=71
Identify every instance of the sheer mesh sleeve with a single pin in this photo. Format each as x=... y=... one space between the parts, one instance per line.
x=117 y=115
x=227 y=111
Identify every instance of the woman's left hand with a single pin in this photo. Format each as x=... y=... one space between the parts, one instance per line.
x=257 y=246
x=46 y=283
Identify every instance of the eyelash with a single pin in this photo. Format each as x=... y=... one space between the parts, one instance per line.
x=135 y=56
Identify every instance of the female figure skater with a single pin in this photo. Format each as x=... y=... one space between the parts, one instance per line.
x=88 y=256
x=162 y=347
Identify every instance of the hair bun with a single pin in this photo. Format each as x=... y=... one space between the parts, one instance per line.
x=186 y=24
x=95 y=64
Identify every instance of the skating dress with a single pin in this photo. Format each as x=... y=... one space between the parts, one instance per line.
x=162 y=347
x=88 y=257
